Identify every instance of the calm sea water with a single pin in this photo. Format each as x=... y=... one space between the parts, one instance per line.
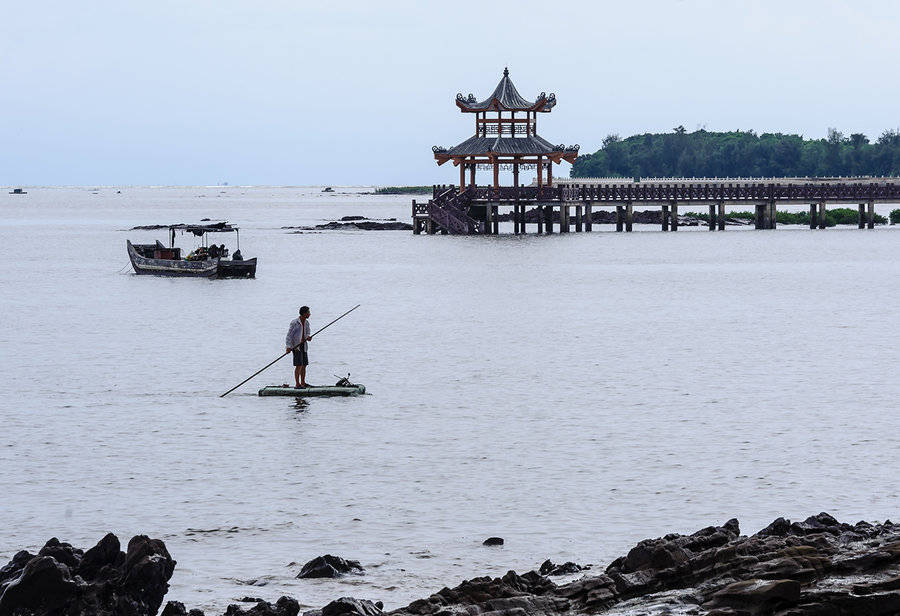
x=572 y=394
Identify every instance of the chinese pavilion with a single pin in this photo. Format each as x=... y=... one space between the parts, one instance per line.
x=503 y=139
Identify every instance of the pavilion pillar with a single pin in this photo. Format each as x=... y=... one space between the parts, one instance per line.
x=496 y=174
x=550 y=173
x=472 y=173
x=870 y=217
x=462 y=176
x=540 y=173
x=721 y=215
x=516 y=174
x=588 y=223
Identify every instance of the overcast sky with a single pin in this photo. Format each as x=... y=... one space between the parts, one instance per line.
x=290 y=92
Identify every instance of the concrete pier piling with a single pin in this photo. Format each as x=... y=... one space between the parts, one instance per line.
x=620 y=217
x=862 y=216
x=871 y=215
x=578 y=219
x=721 y=207
x=664 y=217
x=629 y=216
x=588 y=223
x=674 y=221
x=822 y=215
x=813 y=215
x=712 y=218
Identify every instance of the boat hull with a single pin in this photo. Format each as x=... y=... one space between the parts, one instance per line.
x=165 y=267
x=236 y=269
x=280 y=390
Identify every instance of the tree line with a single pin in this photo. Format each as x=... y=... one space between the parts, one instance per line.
x=741 y=154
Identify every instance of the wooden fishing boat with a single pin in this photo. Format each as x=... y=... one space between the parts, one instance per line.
x=327 y=390
x=204 y=262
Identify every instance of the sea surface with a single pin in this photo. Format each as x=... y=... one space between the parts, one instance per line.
x=571 y=394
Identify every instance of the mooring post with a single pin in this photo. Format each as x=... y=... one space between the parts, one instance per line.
x=721 y=215
x=773 y=215
x=812 y=215
x=579 y=221
x=664 y=217
x=629 y=216
x=871 y=216
x=619 y=217
x=822 y=215
x=712 y=217
x=588 y=223
x=861 y=220
x=674 y=216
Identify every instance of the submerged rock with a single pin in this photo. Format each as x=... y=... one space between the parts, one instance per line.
x=285 y=606
x=548 y=568
x=493 y=541
x=329 y=566
x=61 y=580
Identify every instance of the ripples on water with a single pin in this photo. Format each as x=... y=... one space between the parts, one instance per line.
x=572 y=394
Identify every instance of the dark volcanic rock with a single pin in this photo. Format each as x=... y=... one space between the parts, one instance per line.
x=329 y=566
x=348 y=606
x=548 y=568
x=64 y=581
x=285 y=606
x=493 y=541
x=818 y=567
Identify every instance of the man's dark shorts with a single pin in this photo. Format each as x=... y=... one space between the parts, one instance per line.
x=301 y=358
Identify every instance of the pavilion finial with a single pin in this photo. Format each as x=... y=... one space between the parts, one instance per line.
x=506 y=71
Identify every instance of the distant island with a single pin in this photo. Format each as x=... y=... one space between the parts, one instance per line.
x=741 y=154
x=403 y=190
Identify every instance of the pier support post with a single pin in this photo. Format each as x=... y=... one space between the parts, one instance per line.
x=629 y=216
x=664 y=217
x=861 y=220
x=773 y=215
x=822 y=215
x=871 y=215
x=539 y=210
x=495 y=219
x=813 y=215
x=417 y=224
x=758 y=221
x=579 y=221
x=548 y=218
x=588 y=223
x=712 y=217
x=619 y=217
x=674 y=216
x=721 y=207
x=564 y=219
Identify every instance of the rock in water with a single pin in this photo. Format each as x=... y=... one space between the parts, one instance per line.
x=348 y=606
x=65 y=581
x=329 y=566
x=285 y=606
x=493 y=541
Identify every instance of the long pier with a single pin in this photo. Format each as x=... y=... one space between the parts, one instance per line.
x=476 y=209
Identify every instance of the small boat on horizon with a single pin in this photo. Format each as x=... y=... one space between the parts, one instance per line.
x=18 y=191
x=206 y=261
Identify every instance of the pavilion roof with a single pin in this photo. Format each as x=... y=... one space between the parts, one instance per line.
x=505 y=97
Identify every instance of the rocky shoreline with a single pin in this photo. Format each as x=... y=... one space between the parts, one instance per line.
x=818 y=567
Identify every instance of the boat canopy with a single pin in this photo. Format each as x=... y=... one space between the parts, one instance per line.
x=199 y=230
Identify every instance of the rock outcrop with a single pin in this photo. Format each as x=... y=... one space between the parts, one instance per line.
x=329 y=566
x=818 y=567
x=61 y=580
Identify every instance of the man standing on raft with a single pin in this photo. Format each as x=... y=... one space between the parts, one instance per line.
x=296 y=340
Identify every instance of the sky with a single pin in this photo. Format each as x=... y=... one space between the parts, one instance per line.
x=281 y=92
